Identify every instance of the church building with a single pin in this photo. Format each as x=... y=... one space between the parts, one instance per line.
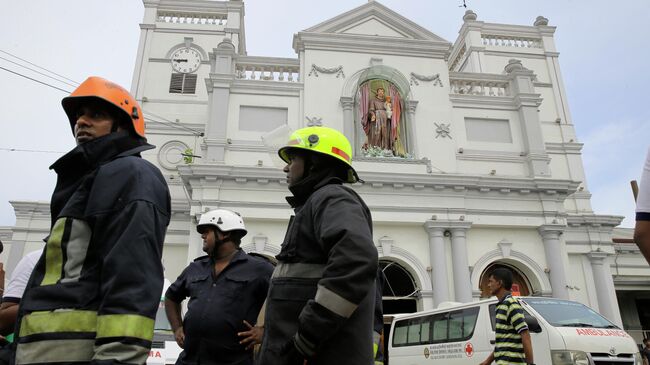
x=466 y=147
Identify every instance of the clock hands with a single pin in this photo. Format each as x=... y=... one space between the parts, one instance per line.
x=180 y=60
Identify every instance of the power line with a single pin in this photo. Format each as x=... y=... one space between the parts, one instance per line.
x=42 y=68
x=172 y=124
x=27 y=150
x=168 y=122
x=40 y=82
x=38 y=72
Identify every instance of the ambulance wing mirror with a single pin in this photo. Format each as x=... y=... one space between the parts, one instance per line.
x=533 y=324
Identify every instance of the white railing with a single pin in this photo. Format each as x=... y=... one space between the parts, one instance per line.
x=191 y=18
x=283 y=70
x=480 y=87
x=459 y=57
x=510 y=41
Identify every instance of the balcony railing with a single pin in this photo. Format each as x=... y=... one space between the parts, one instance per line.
x=510 y=41
x=267 y=69
x=466 y=85
x=191 y=18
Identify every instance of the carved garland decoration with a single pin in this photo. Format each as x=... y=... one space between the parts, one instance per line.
x=435 y=78
x=316 y=69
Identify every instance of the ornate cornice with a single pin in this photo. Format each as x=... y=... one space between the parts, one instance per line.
x=370 y=44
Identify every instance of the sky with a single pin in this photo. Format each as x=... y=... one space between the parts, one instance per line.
x=603 y=45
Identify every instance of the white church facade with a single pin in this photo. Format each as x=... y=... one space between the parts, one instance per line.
x=477 y=166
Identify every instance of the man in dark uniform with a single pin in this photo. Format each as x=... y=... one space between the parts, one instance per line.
x=226 y=290
x=321 y=301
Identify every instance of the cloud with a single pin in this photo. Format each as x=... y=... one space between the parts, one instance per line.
x=613 y=156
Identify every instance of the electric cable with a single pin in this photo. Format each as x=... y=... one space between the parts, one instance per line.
x=42 y=68
x=38 y=72
x=40 y=82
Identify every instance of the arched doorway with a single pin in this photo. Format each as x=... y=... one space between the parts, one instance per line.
x=399 y=290
x=520 y=284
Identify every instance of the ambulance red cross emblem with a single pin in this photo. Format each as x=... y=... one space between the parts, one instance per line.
x=469 y=349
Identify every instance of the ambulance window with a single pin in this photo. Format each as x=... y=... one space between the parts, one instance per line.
x=455 y=326
x=469 y=323
x=425 y=333
x=414 y=333
x=440 y=328
x=401 y=330
x=493 y=316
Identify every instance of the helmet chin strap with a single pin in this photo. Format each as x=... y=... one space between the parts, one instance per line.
x=218 y=243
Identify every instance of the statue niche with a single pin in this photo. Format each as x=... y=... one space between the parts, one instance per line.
x=380 y=112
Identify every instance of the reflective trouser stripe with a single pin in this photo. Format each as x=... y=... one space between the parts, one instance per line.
x=55 y=351
x=122 y=353
x=334 y=302
x=58 y=321
x=54 y=253
x=125 y=325
x=376 y=337
x=298 y=270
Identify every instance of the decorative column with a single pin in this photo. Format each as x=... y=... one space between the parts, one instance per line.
x=605 y=292
x=460 y=264
x=348 y=120
x=438 y=256
x=195 y=242
x=527 y=102
x=555 y=259
x=222 y=74
x=412 y=132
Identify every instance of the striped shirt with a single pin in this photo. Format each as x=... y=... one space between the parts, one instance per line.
x=509 y=325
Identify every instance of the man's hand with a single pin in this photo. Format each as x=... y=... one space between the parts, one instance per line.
x=179 y=335
x=252 y=337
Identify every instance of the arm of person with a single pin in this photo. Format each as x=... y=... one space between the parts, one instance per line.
x=642 y=228
x=131 y=281
x=528 y=346
x=642 y=237
x=173 y=311
x=8 y=316
x=489 y=359
x=343 y=228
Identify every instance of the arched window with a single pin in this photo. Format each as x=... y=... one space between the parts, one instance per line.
x=520 y=284
x=399 y=290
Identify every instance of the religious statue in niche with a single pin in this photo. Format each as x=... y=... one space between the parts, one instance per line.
x=380 y=111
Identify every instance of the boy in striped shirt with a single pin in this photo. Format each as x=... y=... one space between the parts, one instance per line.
x=513 y=345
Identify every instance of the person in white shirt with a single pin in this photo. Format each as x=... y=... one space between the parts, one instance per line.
x=14 y=291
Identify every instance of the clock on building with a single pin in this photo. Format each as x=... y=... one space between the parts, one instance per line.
x=186 y=60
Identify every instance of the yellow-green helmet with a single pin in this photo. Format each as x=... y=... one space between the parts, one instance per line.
x=324 y=140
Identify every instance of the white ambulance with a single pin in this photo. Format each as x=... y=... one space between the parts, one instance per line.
x=563 y=333
x=164 y=350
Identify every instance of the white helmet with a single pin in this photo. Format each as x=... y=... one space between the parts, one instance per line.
x=225 y=220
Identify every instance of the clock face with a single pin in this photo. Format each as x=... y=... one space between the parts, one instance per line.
x=186 y=60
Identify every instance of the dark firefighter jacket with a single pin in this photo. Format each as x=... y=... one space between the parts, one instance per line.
x=93 y=295
x=322 y=295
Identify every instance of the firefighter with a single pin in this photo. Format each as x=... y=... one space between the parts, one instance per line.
x=321 y=299
x=93 y=295
x=226 y=290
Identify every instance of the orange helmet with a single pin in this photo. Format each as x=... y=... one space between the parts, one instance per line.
x=114 y=94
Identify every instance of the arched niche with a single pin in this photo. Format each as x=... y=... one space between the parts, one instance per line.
x=354 y=115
